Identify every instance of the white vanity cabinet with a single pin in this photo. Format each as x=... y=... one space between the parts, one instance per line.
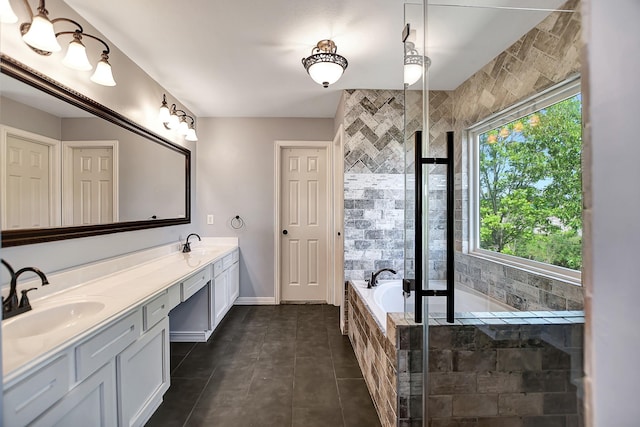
x=115 y=376
x=226 y=285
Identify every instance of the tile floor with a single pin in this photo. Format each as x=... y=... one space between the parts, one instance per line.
x=280 y=366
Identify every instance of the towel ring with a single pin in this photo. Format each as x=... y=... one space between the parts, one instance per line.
x=237 y=222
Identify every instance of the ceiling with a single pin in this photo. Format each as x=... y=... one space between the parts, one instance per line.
x=242 y=58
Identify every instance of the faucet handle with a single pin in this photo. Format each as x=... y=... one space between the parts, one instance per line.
x=24 y=300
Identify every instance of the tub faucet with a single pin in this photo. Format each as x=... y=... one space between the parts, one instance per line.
x=10 y=305
x=374 y=276
x=187 y=246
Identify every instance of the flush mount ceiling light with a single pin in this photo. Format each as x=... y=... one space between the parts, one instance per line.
x=40 y=36
x=324 y=65
x=413 y=64
x=175 y=119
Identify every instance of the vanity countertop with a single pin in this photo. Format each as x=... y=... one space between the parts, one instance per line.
x=115 y=294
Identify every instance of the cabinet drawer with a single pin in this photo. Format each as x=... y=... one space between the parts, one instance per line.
x=95 y=352
x=217 y=268
x=227 y=261
x=30 y=397
x=236 y=255
x=155 y=310
x=194 y=283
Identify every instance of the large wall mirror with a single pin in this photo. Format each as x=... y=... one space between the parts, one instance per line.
x=73 y=168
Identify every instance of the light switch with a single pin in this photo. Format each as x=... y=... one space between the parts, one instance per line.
x=210 y=219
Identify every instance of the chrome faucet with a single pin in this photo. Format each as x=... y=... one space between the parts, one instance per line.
x=374 y=276
x=187 y=246
x=10 y=305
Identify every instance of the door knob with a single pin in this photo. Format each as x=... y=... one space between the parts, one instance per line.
x=285 y=232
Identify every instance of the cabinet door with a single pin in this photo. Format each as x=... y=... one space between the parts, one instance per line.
x=92 y=403
x=234 y=282
x=221 y=298
x=143 y=375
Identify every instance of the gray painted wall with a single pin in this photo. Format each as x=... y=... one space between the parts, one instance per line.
x=20 y=116
x=137 y=97
x=151 y=177
x=235 y=165
x=612 y=231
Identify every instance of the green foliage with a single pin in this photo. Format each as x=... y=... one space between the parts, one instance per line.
x=531 y=186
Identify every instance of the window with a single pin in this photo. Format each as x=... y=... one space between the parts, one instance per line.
x=528 y=183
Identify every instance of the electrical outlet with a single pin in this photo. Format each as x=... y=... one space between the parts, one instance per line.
x=210 y=219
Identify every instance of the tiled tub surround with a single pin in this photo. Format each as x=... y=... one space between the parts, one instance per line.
x=122 y=282
x=513 y=369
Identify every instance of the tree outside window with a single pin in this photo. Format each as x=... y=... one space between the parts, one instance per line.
x=530 y=186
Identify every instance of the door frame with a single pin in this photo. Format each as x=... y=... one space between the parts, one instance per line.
x=337 y=178
x=279 y=146
x=67 y=176
x=55 y=205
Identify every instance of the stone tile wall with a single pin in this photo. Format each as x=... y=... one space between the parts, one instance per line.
x=374 y=181
x=377 y=357
x=503 y=369
x=546 y=55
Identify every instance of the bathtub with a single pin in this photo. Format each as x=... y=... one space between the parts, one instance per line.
x=387 y=298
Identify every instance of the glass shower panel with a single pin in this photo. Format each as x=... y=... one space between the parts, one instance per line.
x=411 y=335
x=497 y=364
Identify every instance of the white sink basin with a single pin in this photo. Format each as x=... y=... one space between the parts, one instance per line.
x=50 y=318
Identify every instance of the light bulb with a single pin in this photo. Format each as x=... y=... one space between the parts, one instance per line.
x=174 y=122
x=164 y=115
x=325 y=73
x=103 y=75
x=41 y=35
x=191 y=135
x=183 y=127
x=76 y=56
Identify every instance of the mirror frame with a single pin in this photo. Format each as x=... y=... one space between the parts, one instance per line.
x=27 y=236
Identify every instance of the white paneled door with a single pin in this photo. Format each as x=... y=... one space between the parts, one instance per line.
x=28 y=196
x=93 y=195
x=304 y=224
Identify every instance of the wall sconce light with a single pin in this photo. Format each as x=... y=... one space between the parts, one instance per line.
x=7 y=16
x=175 y=119
x=324 y=65
x=413 y=64
x=41 y=37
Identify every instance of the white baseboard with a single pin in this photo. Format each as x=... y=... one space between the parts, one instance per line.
x=190 y=336
x=255 y=301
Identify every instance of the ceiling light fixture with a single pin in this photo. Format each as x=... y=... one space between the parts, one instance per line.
x=176 y=119
x=41 y=37
x=324 y=65
x=413 y=64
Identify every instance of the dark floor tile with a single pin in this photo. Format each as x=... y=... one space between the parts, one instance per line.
x=177 y=402
x=269 y=366
x=314 y=367
x=348 y=371
x=309 y=392
x=357 y=407
x=270 y=391
x=174 y=362
x=317 y=417
x=274 y=367
x=278 y=349
x=315 y=348
x=181 y=348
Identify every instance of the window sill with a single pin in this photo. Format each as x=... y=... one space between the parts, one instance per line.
x=565 y=275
